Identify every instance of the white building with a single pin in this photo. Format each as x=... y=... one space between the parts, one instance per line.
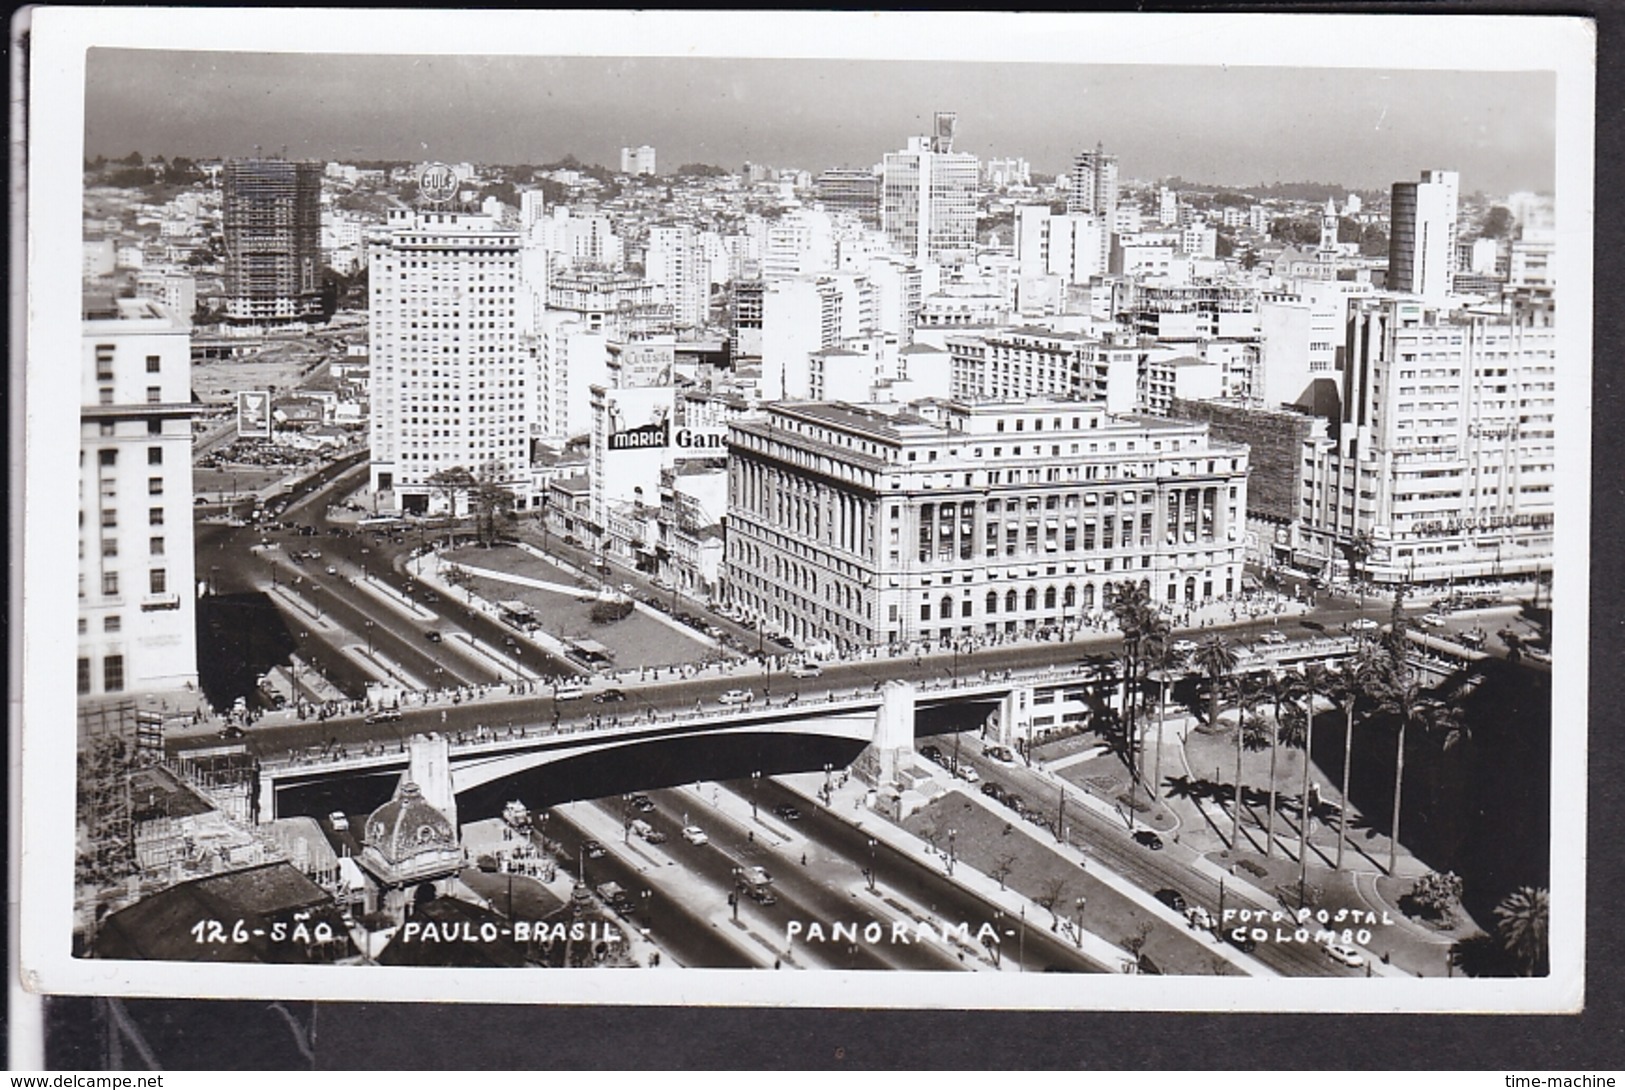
x=1422 y=235
x=137 y=593
x=1447 y=453
x=452 y=385
x=677 y=265
x=928 y=200
x=639 y=161
x=1094 y=190
x=1067 y=246
x=941 y=520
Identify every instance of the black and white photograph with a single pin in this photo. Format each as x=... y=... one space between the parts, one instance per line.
x=1049 y=511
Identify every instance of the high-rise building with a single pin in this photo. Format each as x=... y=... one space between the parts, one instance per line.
x=858 y=527
x=272 y=223
x=452 y=386
x=1422 y=235
x=928 y=196
x=137 y=603
x=676 y=264
x=1445 y=458
x=1094 y=190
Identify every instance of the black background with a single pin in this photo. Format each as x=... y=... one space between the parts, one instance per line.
x=88 y=1033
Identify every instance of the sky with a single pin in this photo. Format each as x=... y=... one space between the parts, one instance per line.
x=1364 y=128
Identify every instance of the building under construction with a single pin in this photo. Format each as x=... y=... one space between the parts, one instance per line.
x=273 y=233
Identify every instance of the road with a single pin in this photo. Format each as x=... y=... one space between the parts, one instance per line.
x=1110 y=842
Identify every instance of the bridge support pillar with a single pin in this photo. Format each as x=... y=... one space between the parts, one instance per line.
x=429 y=766
x=893 y=741
x=1015 y=717
x=266 y=810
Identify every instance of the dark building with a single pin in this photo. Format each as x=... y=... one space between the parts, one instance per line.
x=843 y=189
x=272 y=216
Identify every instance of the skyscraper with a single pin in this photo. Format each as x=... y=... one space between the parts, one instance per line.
x=451 y=384
x=272 y=222
x=1422 y=235
x=928 y=196
x=137 y=607
x=1094 y=190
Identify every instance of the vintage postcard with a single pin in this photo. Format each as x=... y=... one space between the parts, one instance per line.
x=901 y=510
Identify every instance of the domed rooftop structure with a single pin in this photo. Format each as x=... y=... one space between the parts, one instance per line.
x=406 y=828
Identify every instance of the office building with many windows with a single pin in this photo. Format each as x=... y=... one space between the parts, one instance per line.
x=884 y=525
x=272 y=225
x=928 y=199
x=137 y=602
x=452 y=386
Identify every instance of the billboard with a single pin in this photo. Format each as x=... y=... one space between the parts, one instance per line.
x=253 y=414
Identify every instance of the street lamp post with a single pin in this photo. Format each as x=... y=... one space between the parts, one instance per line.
x=872 y=843
x=370 y=627
x=1082 y=902
x=953 y=854
x=755 y=778
x=626 y=817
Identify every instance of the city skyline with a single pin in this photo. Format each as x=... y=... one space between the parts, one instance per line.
x=1361 y=128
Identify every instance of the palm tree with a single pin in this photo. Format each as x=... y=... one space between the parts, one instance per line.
x=1162 y=660
x=1402 y=696
x=1282 y=687
x=1217 y=660
x=1356 y=680
x=1138 y=620
x=1315 y=679
x=1521 y=920
x=1359 y=547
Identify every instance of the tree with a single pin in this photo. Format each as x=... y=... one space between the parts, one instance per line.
x=1162 y=661
x=1497 y=224
x=1353 y=687
x=451 y=484
x=1131 y=606
x=1317 y=679
x=491 y=499
x=1436 y=895
x=1401 y=696
x=1002 y=866
x=1217 y=660
x=1050 y=894
x=1521 y=923
x=1283 y=688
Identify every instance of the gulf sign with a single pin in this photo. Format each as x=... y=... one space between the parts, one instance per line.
x=437 y=182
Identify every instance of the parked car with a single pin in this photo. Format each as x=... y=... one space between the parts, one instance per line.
x=609 y=696
x=695 y=835
x=967 y=773
x=805 y=669
x=1172 y=898
x=1274 y=637
x=233 y=731
x=1016 y=803
x=786 y=812
x=736 y=696
x=384 y=715
x=1344 y=954
x=994 y=791
x=655 y=836
x=1238 y=937
x=999 y=753
x=1184 y=647
x=1149 y=839
x=931 y=753
x=1200 y=918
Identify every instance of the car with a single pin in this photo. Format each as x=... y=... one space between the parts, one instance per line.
x=1431 y=620
x=509 y=641
x=1344 y=954
x=994 y=790
x=805 y=669
x=695 y=835
x=655 y=836
x=1200 y=918
x=593 y=850
x=786 y=812
x=627 y=588
x=609 y=696
x=1172 y=898
x=1148 y=839
x=313 y=554
x=568 y=692
x=736 y=696
x=432 y=636
x=1274 y=637
x=233 y=731
x=331 y=570
x=1184 y=647
x=1241 y=940
x=339 y=822
x=931 y=753
x=999 y=753
x=1363 y=624
x=968 y=773
x=1015 y=802
x=384 y=715
x=643 y=804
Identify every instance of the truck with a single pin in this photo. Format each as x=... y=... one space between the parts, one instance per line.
x=757 y=884
x=615 y=897
x=516 y=815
